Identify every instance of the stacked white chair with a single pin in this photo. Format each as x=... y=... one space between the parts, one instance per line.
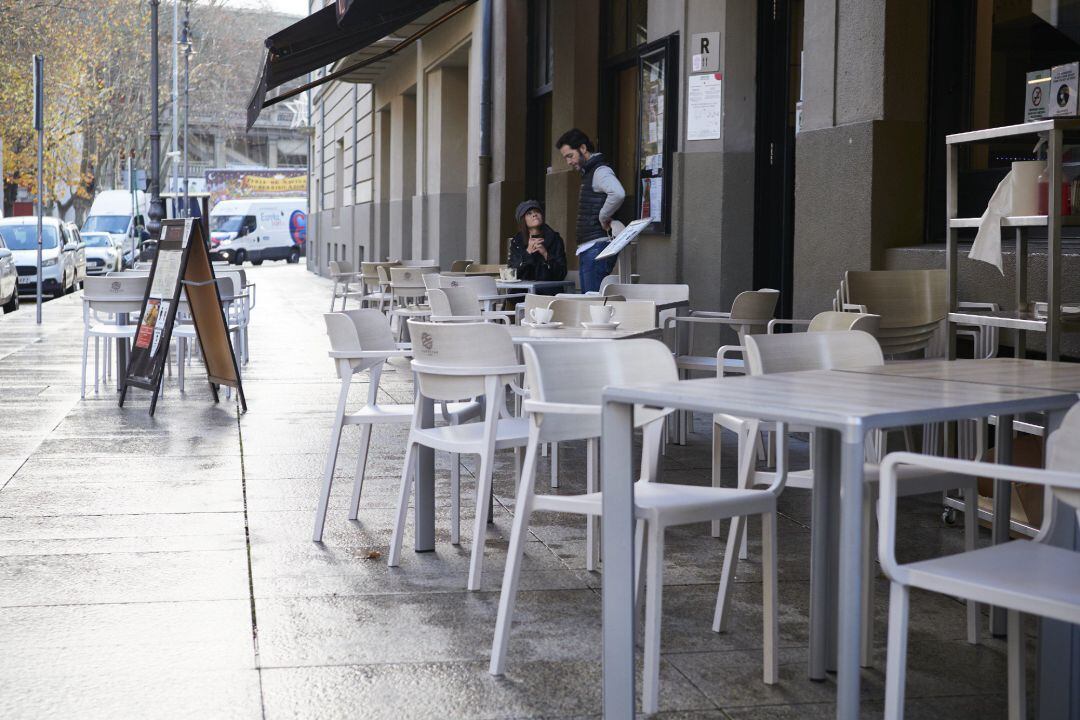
x=452 y=362
x=565 y=383
x=104 y=299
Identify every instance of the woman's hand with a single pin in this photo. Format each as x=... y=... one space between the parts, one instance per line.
x=536 y=245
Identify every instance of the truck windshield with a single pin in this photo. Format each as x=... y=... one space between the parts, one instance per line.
x=24 y=237
x=231 y=223
x=115 y=224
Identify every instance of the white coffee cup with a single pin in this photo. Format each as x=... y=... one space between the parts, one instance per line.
x=601 y=313
x=541 y=316
x=509 y=274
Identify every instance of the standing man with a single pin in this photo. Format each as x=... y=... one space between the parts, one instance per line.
x=600 y=197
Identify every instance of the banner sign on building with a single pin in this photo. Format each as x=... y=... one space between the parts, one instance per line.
x=234 y=184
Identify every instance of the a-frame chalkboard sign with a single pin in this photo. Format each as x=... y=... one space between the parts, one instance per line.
x=182 y=266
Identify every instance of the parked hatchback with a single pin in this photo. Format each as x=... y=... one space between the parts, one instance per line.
x=58 y=272
x=102 y=253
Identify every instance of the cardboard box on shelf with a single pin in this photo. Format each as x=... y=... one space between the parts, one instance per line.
x=1027 y=499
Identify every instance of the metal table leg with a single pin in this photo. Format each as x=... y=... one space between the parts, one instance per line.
x=424 y=497
x=850 y=566
x=824 y=538
x=617 y=536
x=1003 y=453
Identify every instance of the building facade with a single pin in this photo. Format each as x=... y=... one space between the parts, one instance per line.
x=775 y=143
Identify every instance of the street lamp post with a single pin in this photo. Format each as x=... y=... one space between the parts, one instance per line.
x=185 y=45
x=156 y=211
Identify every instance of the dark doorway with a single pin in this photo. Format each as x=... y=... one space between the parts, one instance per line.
x=779 y=73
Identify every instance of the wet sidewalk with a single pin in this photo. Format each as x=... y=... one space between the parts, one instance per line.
x=163 y=567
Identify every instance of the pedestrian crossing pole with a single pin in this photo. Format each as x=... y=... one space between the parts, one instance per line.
x=39 y=125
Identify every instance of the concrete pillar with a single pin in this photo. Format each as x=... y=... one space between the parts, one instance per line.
x=219 y=151
x=402 y=175
x=380 y=228
x=860 y=158
x=272 y=152
x=446 y=164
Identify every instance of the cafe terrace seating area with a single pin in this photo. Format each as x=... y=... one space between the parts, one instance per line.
x=752 y=497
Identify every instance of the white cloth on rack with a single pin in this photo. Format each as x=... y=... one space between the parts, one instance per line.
x=987 y=247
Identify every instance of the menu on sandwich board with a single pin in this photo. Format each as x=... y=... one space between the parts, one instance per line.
x=181 y=268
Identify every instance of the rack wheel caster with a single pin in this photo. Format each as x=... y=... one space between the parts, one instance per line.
x=948 y=516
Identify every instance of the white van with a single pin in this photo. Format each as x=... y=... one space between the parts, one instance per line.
x=258 y=229
x=113 y=212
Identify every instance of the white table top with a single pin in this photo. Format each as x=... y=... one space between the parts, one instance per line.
x=994 y=371
x=524 y=333
x=848 y=401
x=529 y=284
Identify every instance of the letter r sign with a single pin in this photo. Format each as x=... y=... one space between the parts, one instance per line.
x=705 y=52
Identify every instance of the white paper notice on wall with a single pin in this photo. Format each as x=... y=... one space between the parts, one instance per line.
x=704 y=110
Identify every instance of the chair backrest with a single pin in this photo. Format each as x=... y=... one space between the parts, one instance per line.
x=791 y=352
x=342 y=266
x=128 y=273
x=634 y=315
x=432 y=280
x=457 y=347
x=235 y=283
x=370 y=270
x=756 y=306
x=833 y=320
x=577 y=373
x=409 y=277
x=481 y=284
x=1063 y=453
x=383 y=273
x=353 y=330
x=484 y=268
x=534 y=301
x=115 y=294
x=243 y=276
x=609 y=280
x=460 y=265
x=453 y=302
x=903 y=298
x=421 y=263
x=574 y=312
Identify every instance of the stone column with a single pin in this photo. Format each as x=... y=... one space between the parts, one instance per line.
x=402 y=175
x=446 y=164
x=860 y=158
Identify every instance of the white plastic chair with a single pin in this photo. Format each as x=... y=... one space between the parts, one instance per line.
x=459 y=304
x=456 y=361
x=344 y=276
x=359 y=341
x=566 y=383
x=408 y=290
x=1022 y=576
x=184 y=330
x=104 y=299
x=795 y=352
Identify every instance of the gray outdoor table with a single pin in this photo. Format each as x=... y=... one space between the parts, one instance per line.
x=531 y=286
x=843 y=407
x=525 y=334
x=1059 y=646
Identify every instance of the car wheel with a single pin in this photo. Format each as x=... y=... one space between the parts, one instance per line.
x=294 y=257
x=240 y=257
x=256 y=262
x=13 y=304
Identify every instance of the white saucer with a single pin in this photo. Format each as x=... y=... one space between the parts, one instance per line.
x=545 y=326
x=600 y=326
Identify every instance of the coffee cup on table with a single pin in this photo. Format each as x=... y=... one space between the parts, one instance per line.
x=601 y=314
x=541 y=316
x=508 y=274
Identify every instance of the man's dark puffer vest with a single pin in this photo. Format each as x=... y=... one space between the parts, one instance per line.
x=590 y=202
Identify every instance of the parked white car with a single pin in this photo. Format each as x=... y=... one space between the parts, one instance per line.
x=58 y=254
x=114 y=212
x=103 y=254
x=9 y=285
x=258 y=229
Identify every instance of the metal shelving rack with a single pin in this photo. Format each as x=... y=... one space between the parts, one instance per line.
x=1022 y=318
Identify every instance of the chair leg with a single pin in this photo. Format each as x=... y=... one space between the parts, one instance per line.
x=361 y=467
x=592 y=522
x=654 y=590
x=896 y=658
x=97 y=368
x=727 y=575
x=181 y=354
x=639 y=562
x=394 y=558
x=717 y=462
x=866 y=650
x=85 y=353
x=518 y=537
x=1017 y=680
x=455 y=499
x=331 y=461
x=555 y=464
x=494 y=400
x=971 y=530
x=771 y=632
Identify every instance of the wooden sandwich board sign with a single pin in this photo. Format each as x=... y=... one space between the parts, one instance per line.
x=182 y=265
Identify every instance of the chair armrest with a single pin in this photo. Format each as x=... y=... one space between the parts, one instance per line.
x=721 y=357
x=456 y=318
x=555 y=408
x=467 y=371
x=782 y=321
x=1012 y=473
x=361 y=354
x=853 y=307
x=671 y=321
x=709 y=314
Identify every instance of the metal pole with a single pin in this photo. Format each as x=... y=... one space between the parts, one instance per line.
x=156 y=210
x=39 y=123
x=134 y=203
x=187 y=98
x=174 y=167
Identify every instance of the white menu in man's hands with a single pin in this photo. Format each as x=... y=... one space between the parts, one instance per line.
x=624 y=238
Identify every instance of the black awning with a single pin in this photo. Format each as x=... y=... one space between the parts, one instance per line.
x=327 y=36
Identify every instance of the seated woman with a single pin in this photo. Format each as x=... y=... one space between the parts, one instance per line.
x=537 y=251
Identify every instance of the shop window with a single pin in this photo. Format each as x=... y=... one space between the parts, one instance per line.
x=638 y=125
x=625 y=25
